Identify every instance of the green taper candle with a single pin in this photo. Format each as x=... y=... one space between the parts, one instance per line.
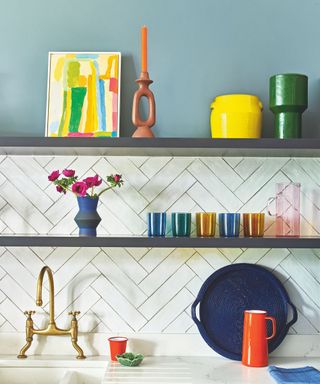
x=288 y=99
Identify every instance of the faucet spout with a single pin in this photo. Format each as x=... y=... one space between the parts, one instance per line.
x=39 y=300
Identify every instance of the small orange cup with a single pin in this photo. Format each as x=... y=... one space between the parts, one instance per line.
x=118 y=345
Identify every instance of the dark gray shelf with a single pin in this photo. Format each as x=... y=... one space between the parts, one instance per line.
x=126 y=146
x=158 y=242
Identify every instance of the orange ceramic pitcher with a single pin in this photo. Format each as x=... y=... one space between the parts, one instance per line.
x=255 y=339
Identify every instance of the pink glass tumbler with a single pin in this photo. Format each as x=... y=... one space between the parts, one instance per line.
x=287 y=209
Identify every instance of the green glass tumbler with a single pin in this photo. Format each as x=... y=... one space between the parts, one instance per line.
x=181 y=224
x=288 y=99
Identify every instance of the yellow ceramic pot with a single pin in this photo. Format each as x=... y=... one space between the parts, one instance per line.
x=236 y=116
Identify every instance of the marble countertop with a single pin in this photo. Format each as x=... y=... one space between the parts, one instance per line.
x=167 y=370
x=198 y=370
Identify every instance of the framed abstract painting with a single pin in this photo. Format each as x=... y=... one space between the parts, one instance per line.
x=83 y=94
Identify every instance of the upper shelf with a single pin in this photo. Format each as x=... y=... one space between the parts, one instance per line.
x=127 y=146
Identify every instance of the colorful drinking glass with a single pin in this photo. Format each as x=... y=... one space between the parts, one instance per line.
x=253 y=224
x=118 y=346
x=287 y=209
x=181 y=224
x=157 y=224
x=206 y=224
x=229 y=224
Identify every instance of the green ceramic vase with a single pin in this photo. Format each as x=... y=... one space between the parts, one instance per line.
x=288 y=99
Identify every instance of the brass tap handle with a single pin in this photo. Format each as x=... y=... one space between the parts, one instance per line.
x=74 y=314
x=29 y=313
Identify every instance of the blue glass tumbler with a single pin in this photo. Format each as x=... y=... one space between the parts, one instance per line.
x=229 y=224
x=157 y=224
x=181 y=224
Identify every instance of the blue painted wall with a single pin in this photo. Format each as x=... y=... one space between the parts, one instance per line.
x=198 y=49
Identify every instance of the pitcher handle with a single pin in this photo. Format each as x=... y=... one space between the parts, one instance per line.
x=274 y=327
x=269 y=202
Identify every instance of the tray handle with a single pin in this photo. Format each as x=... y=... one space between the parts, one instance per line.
x=294 y=318
x=194 y=313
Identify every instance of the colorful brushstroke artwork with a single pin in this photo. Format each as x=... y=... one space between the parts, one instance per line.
x=83 y=94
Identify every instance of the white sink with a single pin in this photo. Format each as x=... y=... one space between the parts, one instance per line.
x=44 y=370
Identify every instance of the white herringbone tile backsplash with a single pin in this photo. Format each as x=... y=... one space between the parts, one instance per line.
x=139 y=289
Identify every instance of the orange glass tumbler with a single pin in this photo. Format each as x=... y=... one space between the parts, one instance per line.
x=255 y=339
x=118 y=346
x=206 y=224
x=253 y=224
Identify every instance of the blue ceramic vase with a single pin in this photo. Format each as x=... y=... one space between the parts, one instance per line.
x=87 y=218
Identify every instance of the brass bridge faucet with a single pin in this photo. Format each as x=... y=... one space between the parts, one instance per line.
x=52 y=329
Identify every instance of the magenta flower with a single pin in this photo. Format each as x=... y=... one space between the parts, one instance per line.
x=68 y=172
x=89 y=182
x=97 y=181
x=60 y=189
x=69 y=182
x=54 y=176
x=79 y=188
x=92 y=181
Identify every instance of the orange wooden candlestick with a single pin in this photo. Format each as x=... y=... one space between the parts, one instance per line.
x=143 y=126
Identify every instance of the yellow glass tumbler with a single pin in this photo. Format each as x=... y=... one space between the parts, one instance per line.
x=253 y=224
x=206 y=224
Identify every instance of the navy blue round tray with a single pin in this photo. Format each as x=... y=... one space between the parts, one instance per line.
x=224 y=297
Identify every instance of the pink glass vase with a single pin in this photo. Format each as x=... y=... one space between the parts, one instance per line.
x=287 y=209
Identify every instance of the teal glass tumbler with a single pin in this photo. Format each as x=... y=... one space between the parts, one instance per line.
x=181 y=224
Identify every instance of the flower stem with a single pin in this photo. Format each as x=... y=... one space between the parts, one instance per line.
x=104 y=190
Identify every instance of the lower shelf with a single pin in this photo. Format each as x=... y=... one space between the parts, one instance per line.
x=159 y=242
